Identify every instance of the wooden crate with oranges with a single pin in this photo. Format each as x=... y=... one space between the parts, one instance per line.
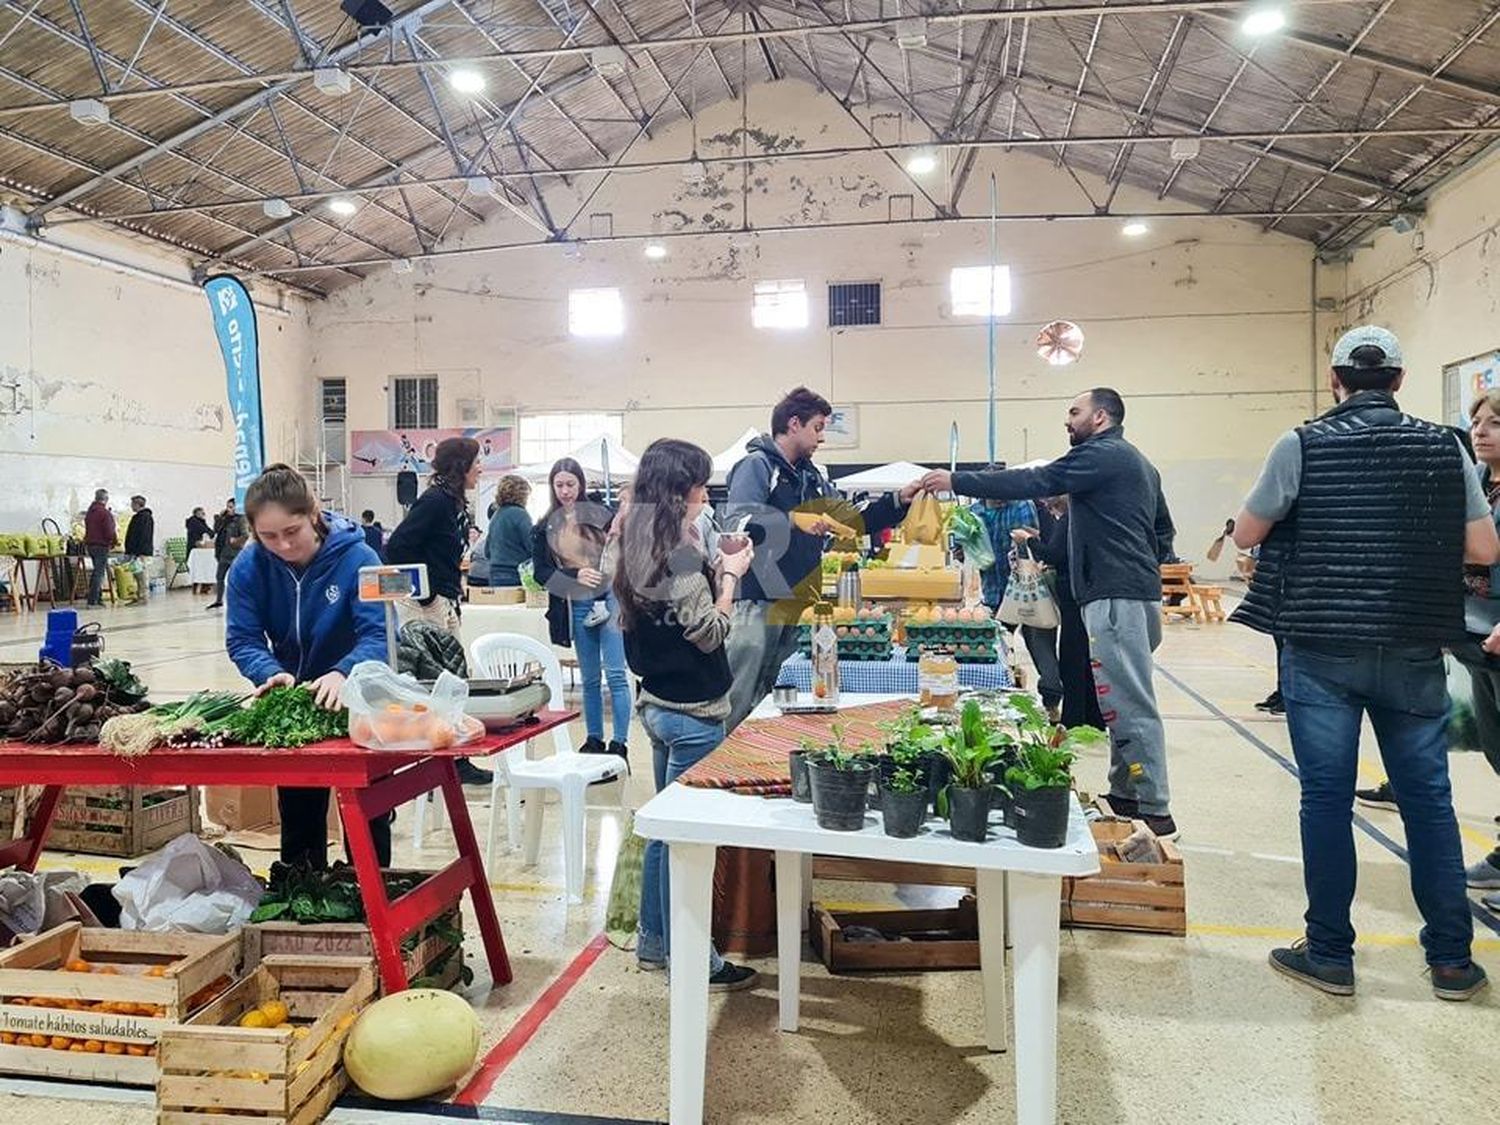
x=91 y=1004
x=270 y=1050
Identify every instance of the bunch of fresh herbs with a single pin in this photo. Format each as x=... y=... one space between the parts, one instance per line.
x=285 y=717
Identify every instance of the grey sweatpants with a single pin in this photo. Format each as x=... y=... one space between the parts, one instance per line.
x=1122 y=636
x=756 y=649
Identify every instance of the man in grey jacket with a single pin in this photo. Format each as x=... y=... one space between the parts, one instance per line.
x=1119 y=532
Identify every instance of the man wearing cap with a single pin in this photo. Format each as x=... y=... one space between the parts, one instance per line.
x=1365 y=517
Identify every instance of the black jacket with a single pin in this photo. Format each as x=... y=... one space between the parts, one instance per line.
x=231 y=533
x=434 y=533
x=197 y=528
x=1371 y=552
x=562 y=581
x=767 y=487
x=1119 y=528
x=140 y=536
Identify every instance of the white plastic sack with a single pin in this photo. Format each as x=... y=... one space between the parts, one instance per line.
x=33 y=902
x=187 y=887
x=389 y=710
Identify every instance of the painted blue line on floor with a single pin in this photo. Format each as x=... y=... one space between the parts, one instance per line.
x=1290 y=766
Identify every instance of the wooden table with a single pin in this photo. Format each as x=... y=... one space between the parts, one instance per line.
x=368 y=783
x=1010 y=878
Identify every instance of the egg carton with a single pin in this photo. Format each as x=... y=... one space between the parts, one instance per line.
x=864 y=628
x=958 y=632
x=977 y=654
x=862 y=649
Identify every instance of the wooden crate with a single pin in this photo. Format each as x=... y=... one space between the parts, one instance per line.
x=940 y=939
x=436 y=960
x=10 y=824
x=845 y=870
x=278 y=1078
x=196 y=967
x=1147 y=897
x=122 y=820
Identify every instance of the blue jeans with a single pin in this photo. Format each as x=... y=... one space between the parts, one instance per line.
x=678 y=742
x=1404 y=692
x=596 y=645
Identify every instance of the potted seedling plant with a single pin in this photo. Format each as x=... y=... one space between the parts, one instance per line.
x=1041 y=780
x=840 y=785
x=916 y=746
x=971 y=750
x=903 y=803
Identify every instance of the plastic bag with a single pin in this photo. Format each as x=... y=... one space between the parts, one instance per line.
x=188 y=887
x=391 y=711
x=924 y=520
x=1027 y=599
x=969 y=532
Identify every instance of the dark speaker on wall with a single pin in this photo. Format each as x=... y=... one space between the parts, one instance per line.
x=367 y=13
x=406 y=488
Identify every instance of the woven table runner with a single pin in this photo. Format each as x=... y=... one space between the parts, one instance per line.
x=753 y=759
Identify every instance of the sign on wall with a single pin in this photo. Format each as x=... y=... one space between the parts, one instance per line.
x=387 y=452
x=234 y=324
x=842 y=431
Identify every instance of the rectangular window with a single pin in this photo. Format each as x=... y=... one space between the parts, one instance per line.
x=779 y=304
x=595 y=312
x=414 y=403
x=852 y=303
x=335 y=400
x=980 y=290
x=546 y=437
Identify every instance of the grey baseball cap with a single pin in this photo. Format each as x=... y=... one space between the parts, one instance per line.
x=1367 y=335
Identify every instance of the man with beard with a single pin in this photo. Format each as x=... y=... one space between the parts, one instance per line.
x=1118 y=533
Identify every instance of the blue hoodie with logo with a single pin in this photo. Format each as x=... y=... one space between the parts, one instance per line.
x=308 y=623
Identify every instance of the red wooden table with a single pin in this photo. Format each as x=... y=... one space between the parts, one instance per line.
x=367 y=783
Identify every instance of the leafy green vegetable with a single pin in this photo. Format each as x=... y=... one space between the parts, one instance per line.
x=285 y=717
x=120 y=679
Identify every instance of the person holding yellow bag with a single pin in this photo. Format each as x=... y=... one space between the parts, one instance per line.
x=789 y=508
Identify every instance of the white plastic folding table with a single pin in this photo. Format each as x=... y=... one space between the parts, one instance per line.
x=1023 y=882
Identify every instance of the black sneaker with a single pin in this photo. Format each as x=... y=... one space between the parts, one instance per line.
x=592 y=745
x=1127 y=807
x=1164 y=827
x=733 y=978
x=1460 y=983
x=619 y=750
x=1381 y=797
x=210 y=605
x=470 y=774
x=1336 y=980
x=1272 y=703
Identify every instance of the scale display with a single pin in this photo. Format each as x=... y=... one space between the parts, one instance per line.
x=393 y=583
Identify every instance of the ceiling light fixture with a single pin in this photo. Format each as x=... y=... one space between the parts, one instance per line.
x=922 y=162
x=466 y=81
x=1134 y=229
x=89 y=111
x=655 y=251
x=1264 y=21
x=342 y=206
x=276 y=209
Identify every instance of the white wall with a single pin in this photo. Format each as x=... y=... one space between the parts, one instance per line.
x=1443 y=301
x=1204 y=325
x=118 y=383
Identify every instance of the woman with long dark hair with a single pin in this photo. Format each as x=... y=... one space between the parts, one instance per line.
x=676 y=610
x=567 y=554
x=436 y=532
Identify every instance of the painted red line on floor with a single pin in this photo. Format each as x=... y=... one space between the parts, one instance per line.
x=517 y=1037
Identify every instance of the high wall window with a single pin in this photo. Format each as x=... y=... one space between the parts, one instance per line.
x=335 y=399
x=779 y=304
x=853 y=303
x=980 y=290
x=414 y=403
x=546 y=437
x=595 y=312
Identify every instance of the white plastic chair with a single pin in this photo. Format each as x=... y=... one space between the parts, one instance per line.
x=502 y=655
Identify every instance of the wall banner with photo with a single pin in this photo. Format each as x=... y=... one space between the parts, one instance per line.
x=388 y=452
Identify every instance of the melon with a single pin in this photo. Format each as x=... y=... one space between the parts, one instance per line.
x=412 y=1044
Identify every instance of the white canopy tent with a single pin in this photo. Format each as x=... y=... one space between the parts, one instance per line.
x=883 y=478
x=592 y=455
x=725 y=459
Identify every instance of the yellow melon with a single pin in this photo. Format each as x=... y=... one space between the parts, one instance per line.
x=412 y=1044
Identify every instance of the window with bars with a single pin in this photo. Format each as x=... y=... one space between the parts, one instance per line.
x=546 y=437
x=852 y=303
x=595 y=312
x=414 y=403
x=779 y=304
x=335 y=399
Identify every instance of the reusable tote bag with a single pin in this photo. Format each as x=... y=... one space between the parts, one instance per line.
x=1027 y=599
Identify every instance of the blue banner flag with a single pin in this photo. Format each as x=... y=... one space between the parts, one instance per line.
x=234 y=324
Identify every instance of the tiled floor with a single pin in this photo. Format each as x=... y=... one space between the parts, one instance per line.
x=1152 y=1029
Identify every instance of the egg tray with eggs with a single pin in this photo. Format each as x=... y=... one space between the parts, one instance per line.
x=963 y=652
x=950 y=626
x=858 y=639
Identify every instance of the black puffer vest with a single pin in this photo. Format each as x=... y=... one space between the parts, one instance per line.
x=1372 y=551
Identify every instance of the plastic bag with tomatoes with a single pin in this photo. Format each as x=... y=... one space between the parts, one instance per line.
x=392 y=711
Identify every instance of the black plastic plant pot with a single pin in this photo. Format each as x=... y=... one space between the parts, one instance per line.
x=840 y=797
x=1040 y=816
x=938 y=771
x=969 y=813
x=801 y=783
x=1002 y=802
x=903 y=813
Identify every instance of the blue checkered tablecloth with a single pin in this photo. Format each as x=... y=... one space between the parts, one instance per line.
x=896 y=676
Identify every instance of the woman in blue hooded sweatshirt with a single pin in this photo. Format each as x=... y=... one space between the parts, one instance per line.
x=295 y=618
